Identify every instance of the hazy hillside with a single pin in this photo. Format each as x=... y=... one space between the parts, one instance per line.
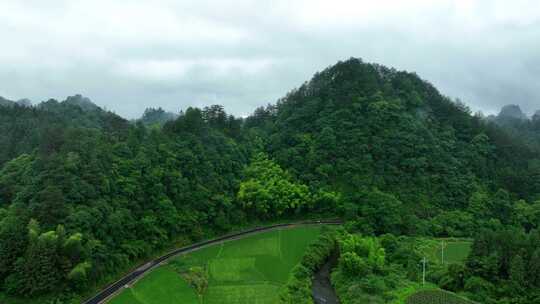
x=10 y=103
x=152 y=116
x=45 y=126
x=6 y=102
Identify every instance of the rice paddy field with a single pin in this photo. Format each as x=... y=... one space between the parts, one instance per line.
x=247 y=270
x=453 y=250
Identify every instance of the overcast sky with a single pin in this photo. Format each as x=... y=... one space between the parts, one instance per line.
x=129 y=55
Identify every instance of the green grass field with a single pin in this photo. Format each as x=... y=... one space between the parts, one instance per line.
x=455 y=251
x=436 y=297
x=248 y=270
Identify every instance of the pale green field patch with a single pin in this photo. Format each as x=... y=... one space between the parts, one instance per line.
x=248 y=270
x=243 y=294
x=231 y=269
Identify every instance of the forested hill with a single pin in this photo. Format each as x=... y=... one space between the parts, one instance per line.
x=358 y=125
x=519 y=126
x=84 y=193
x=48 y=124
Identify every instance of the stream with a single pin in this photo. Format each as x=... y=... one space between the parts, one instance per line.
x=323 y=292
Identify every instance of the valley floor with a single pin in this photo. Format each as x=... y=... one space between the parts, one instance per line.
x=248 y=270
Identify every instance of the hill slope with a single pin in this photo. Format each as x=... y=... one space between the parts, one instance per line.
x=358 y=126
x=25 y=128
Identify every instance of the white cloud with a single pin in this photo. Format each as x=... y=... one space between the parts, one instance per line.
x=178 y=69
x=242 y=53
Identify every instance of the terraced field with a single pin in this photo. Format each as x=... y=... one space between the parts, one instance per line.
x=436 y=297
x=248 y=270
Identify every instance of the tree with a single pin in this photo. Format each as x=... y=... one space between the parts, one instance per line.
x=13 y=241
x=269 y=191
x=353 y=265
x=517 y=270
x=455 y=278
x=502 y=206
x=453 y=223
x=527 y=215
x=479 y=288
x=534 y=268
x=480 y=204
x=191 y=121
x=41 y=271
x=382 y=211
x=215 y=116
x=197 y=277
x=79 y=274
x=49 y=206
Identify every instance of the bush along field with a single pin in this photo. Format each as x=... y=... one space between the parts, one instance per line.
x=389 y=269
x=298 y=289
x=254 y=269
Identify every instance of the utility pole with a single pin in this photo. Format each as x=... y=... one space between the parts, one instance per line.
x=442 y=252
x=424 y=271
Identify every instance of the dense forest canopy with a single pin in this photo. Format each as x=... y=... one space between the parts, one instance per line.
x=85 y=193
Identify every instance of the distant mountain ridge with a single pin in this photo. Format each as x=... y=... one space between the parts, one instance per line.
x=511 y=114
x=76 y=100
x=536 y=116
x=26 y=127
x=5 y=102
x=153 y=116
x=9 y=103
x=84 y=102
x=512 y=111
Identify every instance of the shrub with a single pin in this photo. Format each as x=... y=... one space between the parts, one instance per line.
x=298 y=288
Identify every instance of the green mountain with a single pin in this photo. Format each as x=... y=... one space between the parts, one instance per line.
x=45 y=126
x=360 y=125
x=84 y=193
